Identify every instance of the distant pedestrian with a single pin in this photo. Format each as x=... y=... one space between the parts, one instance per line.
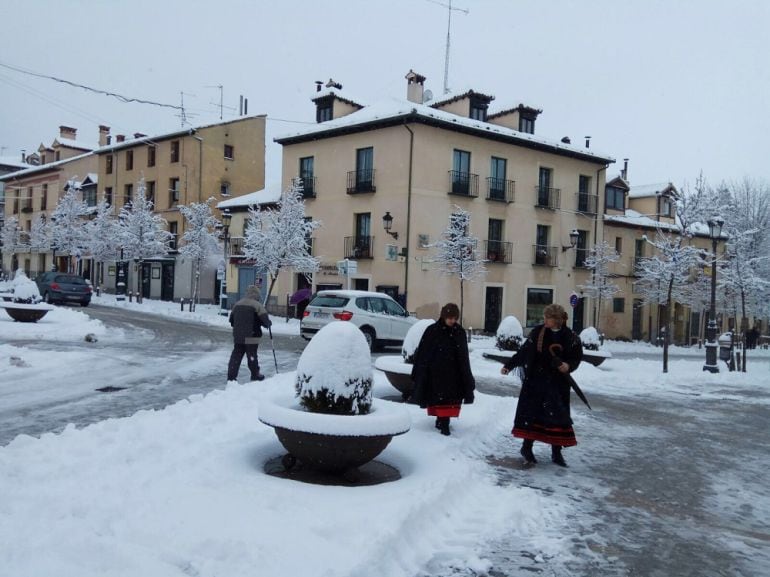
x=442 y=369
x=549 y=354
x=247 y=319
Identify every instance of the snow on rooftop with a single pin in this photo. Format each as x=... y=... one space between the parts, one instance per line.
x=42 y=167
x=638 y=219
x=395 y=107
x=645 y=190
x=14 y=162
x=69 y=142
x=268 y=195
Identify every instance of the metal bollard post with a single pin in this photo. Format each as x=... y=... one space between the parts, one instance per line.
x=130 y=296
x=190 y=305
x=181 y=304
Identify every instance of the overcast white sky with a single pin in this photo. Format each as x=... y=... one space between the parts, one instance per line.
x=677 y=86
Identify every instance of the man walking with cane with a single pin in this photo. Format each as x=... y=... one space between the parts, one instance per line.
x=247 y=319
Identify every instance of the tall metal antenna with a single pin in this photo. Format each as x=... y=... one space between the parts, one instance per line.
x=183 y=115
x=449 y=8
x=221 y=95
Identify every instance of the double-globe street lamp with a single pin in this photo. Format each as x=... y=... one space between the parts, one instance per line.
x=715 y=232
x=226 y=217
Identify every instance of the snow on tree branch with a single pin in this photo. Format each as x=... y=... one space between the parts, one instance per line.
x=67 y=230
x=143 y=233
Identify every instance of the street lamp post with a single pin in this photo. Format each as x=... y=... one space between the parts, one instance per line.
x=120 y=279
x=715 y=231
x=226 y=216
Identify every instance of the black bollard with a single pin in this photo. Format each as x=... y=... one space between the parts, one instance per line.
x=181 y=304
x=130 y=296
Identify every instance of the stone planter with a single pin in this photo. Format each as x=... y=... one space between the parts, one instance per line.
x=24 y=313
x=398 y=373
x=332 y=443
x=596 y=358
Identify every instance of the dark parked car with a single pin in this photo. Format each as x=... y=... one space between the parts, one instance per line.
x=57 y=287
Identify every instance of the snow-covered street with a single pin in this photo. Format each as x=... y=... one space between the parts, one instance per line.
x=668 y=472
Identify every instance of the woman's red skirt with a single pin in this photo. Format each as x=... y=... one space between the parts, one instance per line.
x=444 y=411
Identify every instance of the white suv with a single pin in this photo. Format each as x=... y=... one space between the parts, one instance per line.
x=382 y=320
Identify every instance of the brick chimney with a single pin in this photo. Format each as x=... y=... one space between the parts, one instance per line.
x=68 y=132
x=415 y=87
x=120 y=137
x=104 y=135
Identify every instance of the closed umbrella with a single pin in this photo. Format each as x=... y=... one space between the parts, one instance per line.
x=300 y=295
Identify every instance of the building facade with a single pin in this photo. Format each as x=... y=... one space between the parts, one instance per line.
x=416 y=160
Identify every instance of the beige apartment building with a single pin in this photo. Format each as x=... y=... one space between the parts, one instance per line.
x=534 y=202
x=35 y=191
x=632 y=213
x=221 y=160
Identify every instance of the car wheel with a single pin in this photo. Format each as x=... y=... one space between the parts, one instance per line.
x=48 y=298
x=84 y=303
x=371 y=338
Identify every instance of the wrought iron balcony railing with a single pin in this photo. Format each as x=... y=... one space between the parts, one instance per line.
x=235 y=246
x=544 y=255
x=361 y=181
x=546 y=197
x=587 y=203
x=308 y=186
x=463 y=183
x=498 y=252
x=500 y=189
x=358 y=247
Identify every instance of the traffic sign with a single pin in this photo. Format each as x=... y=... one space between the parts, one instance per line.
x=574 y=299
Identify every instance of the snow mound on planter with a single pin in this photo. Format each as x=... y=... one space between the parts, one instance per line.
x=334 y=373
x=384 y=418
x=589 y=336
x=509 y=334
x=24 y=290
x=413 y=337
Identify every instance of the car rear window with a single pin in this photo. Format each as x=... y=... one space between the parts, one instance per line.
x=70 y=279
x=329 y=301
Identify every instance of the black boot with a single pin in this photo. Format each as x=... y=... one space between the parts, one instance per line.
x=443 y=425
x=526 y=451
x=557 y=457
x=438 y=422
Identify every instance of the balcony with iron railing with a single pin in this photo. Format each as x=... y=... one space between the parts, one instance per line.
x=463 y=183
x=500 y=189
x=358 y=247
x=544 y=255
x=235 y=246
x=498 y=252
x=307 y=186
x=546 y=197
x=360 y=181
x=587 y=203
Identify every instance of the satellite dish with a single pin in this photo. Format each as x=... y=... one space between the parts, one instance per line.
x=427 y=96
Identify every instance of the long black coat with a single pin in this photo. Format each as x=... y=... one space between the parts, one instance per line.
x=545 y=392
x=442 y=369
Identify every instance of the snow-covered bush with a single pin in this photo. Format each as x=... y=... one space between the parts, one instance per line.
x=590 y=339
x=509 y=334
x=334 y=373
x=412 y=339
x=24 y=290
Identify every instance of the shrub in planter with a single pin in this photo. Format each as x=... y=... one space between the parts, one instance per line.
x=25 y=303
x=509 y=334
x=24 y=290
x=590 y=339
x=334 y=373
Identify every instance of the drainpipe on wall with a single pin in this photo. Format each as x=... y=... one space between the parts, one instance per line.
x=200 y=199
x=408 y=215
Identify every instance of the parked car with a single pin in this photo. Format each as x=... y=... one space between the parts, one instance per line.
x=382 y=320
x=57 y=287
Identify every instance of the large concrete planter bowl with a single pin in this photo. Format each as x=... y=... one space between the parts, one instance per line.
x=26 y=313
x=596 y=358
x=332 y=443
x=398 y=373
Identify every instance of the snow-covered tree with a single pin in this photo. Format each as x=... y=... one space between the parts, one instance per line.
x=103 y=235
x=600 y=287
x=458 y=252
x=40 y=235
x=276 y=239
x=67 y=230
x=200 y=239
x=143 y=233
x=12 y=237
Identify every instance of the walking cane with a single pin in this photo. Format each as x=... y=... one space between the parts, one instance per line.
x=270 y=330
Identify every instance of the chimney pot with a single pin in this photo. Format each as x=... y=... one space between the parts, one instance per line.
x=624 y=172
x=415 y=87
x=104 y=135
x=139 y=135
x=566 y=140
x=318 y=85
x=23 y=155
x=68 y=132
x=588 y=142
x=120 y=137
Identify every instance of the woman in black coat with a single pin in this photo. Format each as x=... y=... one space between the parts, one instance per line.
x=546 y=358
x=442 y=369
